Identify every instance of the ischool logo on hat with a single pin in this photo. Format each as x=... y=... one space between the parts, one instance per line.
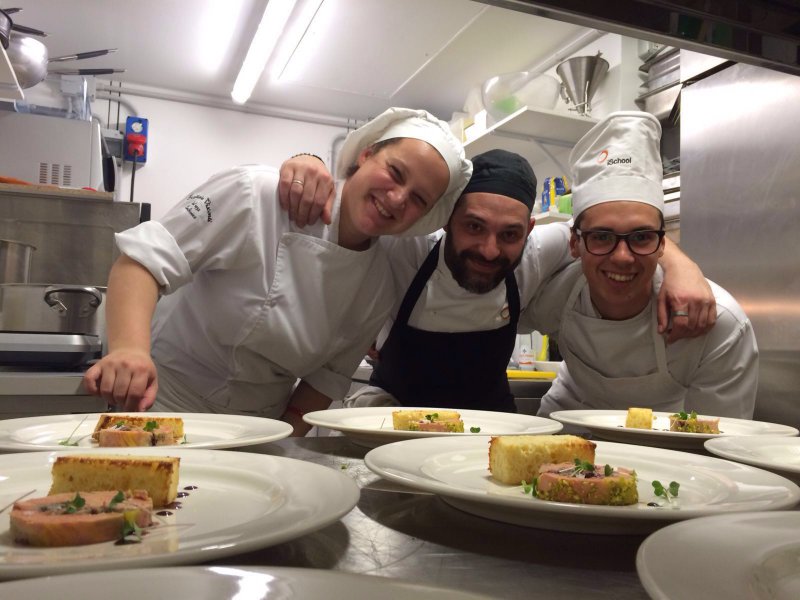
x=603 y=157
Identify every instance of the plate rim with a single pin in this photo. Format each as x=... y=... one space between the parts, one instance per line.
x=655 y=542
x=295 y=574
x=7 y=428
x=342 y=488
x=711 y=446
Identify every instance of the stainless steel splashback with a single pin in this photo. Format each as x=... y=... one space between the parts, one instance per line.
x=73 y=232
x=740 y=210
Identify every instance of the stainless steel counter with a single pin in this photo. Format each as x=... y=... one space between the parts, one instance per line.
x=397 y=532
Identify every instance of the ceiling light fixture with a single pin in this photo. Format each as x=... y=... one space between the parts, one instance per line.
x=308 y=22
x=269 y=30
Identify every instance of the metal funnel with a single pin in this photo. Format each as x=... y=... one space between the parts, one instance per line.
x=580 y=77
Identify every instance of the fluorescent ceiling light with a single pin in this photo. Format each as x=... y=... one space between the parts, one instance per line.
x=215 y=32
x=301 y=39
x=269 y=29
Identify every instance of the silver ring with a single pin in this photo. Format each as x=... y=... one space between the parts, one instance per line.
x=680 y=313
x=300 y=181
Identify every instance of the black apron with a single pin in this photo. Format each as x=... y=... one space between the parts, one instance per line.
x=448 y=370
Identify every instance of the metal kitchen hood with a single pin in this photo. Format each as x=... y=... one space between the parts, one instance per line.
x=764 y=33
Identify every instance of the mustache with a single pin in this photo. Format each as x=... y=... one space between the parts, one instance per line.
x=500 y=261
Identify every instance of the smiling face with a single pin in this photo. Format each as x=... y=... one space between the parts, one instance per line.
x=391 y=190
x=620 y=283
x=485 y=238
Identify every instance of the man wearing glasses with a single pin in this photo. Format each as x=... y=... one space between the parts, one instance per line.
x=602 y=309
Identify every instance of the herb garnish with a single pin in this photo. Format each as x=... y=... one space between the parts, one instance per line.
x=474 y=429
x=686 y=416
x=129 y=526
x=150 y=426
x=530 y=488
x=119 y=497
x=68 y=442
x=75 y=504
x=608 y=470
x=432 y=417
x=668 y=493
x=184 y=439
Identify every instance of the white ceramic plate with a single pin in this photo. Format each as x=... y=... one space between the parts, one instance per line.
x=211 y=431
x=224 y=583
x=748 y=556
x=243 y=502
x=457 y=469
x=610 y=425
x=777 y=454
x=372 y=426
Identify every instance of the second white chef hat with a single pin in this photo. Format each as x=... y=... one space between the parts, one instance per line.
x=618 y=159
x=421 y=125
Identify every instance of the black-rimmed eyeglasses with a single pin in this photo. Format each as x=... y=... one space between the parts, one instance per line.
x=600 y=242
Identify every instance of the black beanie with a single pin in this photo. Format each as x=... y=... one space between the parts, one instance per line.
x=505 y=173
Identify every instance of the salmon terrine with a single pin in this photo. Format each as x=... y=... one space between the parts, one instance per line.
x=427 y=420
x=120 y=436
x=77 y=519
x=138 y=423
x=582 y=484
x=692 y=424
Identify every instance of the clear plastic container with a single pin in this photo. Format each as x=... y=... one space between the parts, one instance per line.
x=66 y=96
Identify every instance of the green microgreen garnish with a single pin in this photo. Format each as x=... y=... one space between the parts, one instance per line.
x=530 y=488
x=68 y=441
x=119 y=497
x=129 y=526
x=432 y=417
x=75 y=504
x=474 y=429
x=150 y=426
x=668 y=493
x=582 y=466
x=683 y=415
x=185 y=441
x=608 y=470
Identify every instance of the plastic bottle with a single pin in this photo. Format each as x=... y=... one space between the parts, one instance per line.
x=525 y=359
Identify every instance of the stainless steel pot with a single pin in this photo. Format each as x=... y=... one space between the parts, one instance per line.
x=15 y=261
x=42 y=308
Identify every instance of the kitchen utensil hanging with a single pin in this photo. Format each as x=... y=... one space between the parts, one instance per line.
x=30 y=60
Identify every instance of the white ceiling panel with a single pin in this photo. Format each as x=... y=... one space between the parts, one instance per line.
x=369 y=55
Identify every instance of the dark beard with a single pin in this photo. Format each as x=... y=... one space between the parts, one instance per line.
x=467 y=279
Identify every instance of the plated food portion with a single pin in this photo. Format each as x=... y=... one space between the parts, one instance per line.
x=114 y=430
x=373 y=426
x=667 y=430
x=669 y=485
x=96 y=498
x=123 y=430
x=156 y=506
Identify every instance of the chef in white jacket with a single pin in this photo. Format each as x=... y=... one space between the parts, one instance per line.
x=453 y=327
x=252 y=303
x=602 y=309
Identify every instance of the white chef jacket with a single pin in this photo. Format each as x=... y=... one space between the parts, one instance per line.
x=719 y=370
x=251 y=301
x=445 y=306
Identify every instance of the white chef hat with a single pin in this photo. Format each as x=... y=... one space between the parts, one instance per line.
x=421 y=125
x=618 y=159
